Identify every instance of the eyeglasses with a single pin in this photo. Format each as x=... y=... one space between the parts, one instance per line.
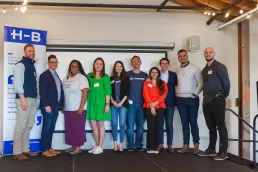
x=53 y=62
x=74 y=66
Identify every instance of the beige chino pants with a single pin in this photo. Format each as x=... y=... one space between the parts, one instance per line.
x=24 y=122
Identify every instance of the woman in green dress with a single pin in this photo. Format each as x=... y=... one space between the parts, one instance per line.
x=98 y=108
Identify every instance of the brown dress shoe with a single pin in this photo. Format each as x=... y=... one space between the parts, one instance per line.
x=31 y=154
x=48 y=154
x=196 y=149
x=184 y=149
x=20 y=157
x=170 y=149
x=160 y=148
x=54 y=152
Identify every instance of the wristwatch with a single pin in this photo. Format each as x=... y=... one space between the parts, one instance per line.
x=194 y=95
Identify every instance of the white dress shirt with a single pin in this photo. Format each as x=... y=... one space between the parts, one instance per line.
x=164 y=76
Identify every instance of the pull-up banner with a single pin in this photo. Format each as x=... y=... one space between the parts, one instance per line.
x=15 y=39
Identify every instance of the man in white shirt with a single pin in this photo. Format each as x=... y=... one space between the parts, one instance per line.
x=189 y=79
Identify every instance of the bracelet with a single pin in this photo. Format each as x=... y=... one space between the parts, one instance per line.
x=107 y=103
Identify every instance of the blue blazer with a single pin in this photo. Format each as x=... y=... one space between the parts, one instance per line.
x=172 y=83
x=48 y=91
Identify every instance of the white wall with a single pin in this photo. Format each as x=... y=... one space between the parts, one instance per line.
x=141 y=29
x=253 y=73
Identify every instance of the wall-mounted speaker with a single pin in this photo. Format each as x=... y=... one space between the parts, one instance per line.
x=194 y=43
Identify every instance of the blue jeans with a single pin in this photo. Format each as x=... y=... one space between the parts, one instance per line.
x=122 y=111
x=188 y=110
x=169 y=116
x=135 y=114
x=48 y=127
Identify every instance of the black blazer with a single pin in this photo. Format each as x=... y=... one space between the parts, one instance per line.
x=48 y=91
x=124 y=89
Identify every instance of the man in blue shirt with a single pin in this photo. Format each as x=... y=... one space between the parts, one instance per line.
x=25 y=86
x=135 y=111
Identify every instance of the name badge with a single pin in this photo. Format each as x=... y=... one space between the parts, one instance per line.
x=67 y=86
x=130 y=102
x=96 y=85
x=209 y=72
x=150 y=85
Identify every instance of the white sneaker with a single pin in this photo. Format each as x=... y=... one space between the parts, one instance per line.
x=92 y=150
x=156 y=152
x=99 y=150
x=150 y=151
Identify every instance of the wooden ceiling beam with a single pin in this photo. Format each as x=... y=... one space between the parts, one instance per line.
x=223 y=10
x=194 y=3
x=246 y=5
x=186 y=2
x=220 y=5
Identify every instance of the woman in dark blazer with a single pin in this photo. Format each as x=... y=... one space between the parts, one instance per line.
x=120 y=85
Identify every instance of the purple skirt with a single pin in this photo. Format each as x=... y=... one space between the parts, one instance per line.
x=75 y=128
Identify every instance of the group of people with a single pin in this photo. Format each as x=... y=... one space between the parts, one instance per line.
x=130 y=97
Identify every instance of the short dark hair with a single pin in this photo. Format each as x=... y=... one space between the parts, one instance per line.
x=27 y=45
x=51 y=57
x=135 y=57
x=182 y=50
x=164 y=59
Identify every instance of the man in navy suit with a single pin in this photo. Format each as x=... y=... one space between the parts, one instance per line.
x=171 y=79
x=51 y=101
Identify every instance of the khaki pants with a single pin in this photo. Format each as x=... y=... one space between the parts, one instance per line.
x=24 y=123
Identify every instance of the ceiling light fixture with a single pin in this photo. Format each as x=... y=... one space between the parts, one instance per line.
x=227 y=14
x=238 y=19
x=25 y=2
x=241 y=11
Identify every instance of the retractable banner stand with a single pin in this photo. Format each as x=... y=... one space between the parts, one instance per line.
x=14 y=41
